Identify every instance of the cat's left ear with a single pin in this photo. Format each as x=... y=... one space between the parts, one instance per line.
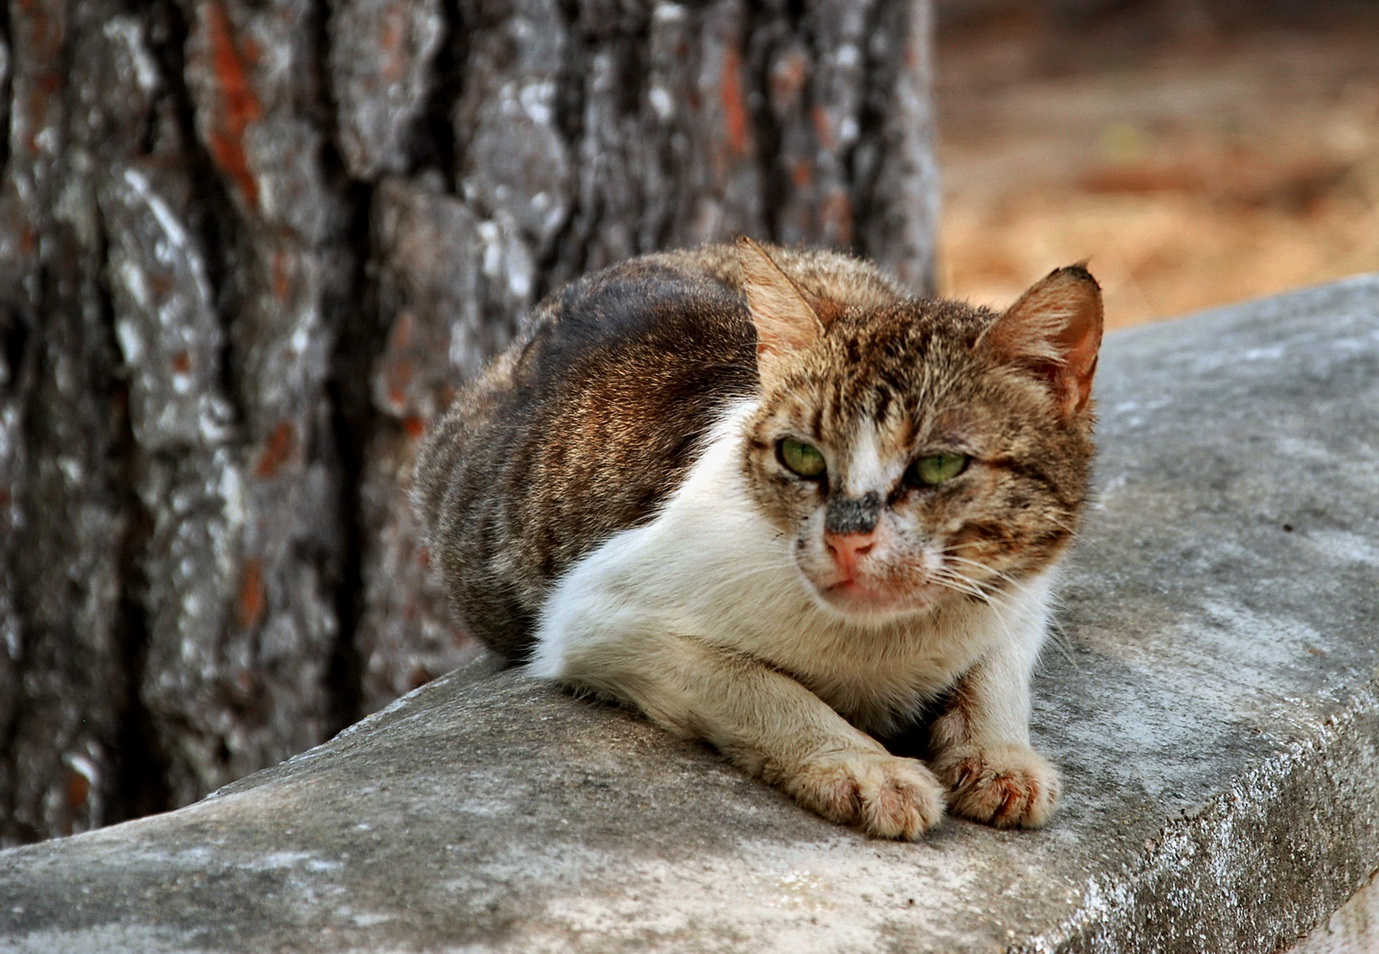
x=1054 y=330
x=788 y=318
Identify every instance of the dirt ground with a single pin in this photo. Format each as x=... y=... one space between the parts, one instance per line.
x=1195 y=160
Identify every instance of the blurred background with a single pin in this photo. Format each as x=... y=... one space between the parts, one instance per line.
x=249 y=248
x=1199 y=152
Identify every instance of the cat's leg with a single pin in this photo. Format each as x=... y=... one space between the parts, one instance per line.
x=980 y=745
x=761 y=719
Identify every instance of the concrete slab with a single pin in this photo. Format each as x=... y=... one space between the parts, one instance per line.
x=1213 y=703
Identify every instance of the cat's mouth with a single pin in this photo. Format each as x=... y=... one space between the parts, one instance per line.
x=855 y=597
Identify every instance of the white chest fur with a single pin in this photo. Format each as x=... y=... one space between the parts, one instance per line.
x=711 y=568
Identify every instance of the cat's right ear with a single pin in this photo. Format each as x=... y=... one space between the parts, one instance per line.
x=786 y=316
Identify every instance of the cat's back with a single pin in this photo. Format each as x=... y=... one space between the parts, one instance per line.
x=579 y=429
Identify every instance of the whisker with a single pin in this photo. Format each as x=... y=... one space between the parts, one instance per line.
x=1057 y=636
x=961 y=584
x=998 y=574
x=1060 y=639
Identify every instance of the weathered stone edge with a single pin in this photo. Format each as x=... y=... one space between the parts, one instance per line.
x=1220 y=880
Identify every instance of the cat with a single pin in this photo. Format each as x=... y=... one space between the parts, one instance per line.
x=780 y=505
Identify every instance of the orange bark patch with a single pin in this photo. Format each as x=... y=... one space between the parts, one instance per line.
x=401 y=369
x=734 y=106
x=282 y=281
x=787 y=82
x=392 y=43
x=251 y=598
x=400 y=372
x=823 y=129
x=78 y=791
x=279 y=449
x=240 y=106
x=46 y=35
x=400 y=334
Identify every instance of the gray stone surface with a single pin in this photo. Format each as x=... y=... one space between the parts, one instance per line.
x=1212 y=702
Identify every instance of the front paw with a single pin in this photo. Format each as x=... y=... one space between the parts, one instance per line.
x=1007 y=786
x=883 y=795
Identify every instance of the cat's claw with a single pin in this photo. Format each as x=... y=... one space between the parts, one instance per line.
x=885 y=796
x=1007 y=786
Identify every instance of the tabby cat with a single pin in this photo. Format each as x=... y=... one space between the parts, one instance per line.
x=780 y=505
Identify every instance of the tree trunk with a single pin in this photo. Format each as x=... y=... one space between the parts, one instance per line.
x=248 y=248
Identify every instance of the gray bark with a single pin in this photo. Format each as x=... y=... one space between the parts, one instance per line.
x=248 y=248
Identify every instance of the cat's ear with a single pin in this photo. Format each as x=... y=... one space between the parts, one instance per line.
x=1054 y=330
x=787 y=317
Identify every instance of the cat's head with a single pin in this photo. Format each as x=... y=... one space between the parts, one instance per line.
x=922 y=450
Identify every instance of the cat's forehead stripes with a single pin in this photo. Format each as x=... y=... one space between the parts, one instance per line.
x=889 y=368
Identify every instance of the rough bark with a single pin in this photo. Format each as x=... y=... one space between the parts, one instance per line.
x=247 y=250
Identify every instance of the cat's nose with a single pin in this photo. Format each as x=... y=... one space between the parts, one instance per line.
x=847 y=547
x=852 y=515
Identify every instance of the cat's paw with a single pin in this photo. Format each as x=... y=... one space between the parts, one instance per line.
x=1007 y=786
x=885 y=796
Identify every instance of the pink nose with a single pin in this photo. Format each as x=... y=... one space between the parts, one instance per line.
x=847 y=547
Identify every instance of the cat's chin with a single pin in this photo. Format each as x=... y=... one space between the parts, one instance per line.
x=858 y=601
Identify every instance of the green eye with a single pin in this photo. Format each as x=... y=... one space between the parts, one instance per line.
x=800 y=458
x=937 y=468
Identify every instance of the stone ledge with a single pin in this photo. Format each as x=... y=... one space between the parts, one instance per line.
x=1213 y=704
